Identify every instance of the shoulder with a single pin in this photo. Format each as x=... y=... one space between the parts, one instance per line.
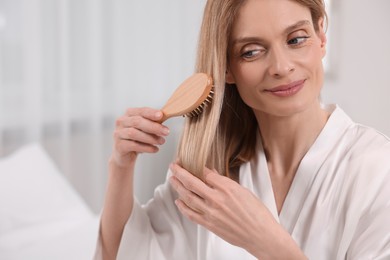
x=367 y=167
x=368 y=146
x=361 y=157
x=359 y=143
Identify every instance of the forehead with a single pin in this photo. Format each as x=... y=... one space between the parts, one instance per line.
x=268 y=17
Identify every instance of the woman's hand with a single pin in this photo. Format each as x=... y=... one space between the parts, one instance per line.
x=138 y=131
x=233 y=213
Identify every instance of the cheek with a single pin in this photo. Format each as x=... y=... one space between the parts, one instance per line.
x=249 y=74
x=311 y=62
x=317 y=68
x=318 y=52
x=249 y=83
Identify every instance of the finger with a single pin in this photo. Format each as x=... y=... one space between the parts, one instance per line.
x=124 y=147
x=190 y=182
x=191 y=199
x=213 y=179
x=138 y=136
x=194 y=216
x=143 y=124
x=146 y=112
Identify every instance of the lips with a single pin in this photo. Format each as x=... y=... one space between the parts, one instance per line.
x=287 y=89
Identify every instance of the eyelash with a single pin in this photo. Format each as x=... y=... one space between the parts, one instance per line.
x=302 y=38
x=252 y=53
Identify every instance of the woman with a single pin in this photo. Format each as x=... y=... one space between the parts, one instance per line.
x=281 y=176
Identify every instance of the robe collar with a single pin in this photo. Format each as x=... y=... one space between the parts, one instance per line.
x=255 y=176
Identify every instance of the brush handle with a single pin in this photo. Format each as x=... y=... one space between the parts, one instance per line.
x=188 y=96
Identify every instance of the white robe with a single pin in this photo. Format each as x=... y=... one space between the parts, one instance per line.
x=338 y=206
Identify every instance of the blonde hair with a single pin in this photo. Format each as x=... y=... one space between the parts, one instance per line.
x=224 y=135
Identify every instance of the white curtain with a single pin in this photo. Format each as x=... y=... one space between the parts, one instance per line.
x=68 y=68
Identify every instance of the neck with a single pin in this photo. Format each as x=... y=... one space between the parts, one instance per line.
x=287 y=139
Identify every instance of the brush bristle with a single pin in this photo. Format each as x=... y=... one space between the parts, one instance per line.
x=197 y=111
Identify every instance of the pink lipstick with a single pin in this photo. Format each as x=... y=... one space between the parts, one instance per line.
x=287 y=90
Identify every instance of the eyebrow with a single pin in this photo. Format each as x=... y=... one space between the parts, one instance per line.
x=285 y=31
x=296 y=26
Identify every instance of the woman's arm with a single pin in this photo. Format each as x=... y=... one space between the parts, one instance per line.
x=136 y=132
x=117 y=208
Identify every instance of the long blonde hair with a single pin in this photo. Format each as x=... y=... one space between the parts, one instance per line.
x=224 y=135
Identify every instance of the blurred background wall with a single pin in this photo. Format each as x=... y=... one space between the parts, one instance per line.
x=68 y=68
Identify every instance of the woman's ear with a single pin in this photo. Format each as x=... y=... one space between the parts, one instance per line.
x=322 y=36
x=229 y=77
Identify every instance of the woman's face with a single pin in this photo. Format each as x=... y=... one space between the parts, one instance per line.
x=275 y=57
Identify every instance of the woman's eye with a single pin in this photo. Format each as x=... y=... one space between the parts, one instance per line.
x=297 y=40
x=251 y=54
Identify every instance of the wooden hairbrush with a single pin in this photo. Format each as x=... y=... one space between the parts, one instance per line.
x=190 y=98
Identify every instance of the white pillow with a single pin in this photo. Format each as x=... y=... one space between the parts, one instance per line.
x=35 y=196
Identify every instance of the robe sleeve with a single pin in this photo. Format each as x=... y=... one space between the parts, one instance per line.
x=372 y=237
x=156 y=230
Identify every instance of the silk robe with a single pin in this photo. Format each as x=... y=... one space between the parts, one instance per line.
x=338 y=206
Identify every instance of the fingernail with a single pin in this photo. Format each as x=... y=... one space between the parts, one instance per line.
x=165 y=131
x=158 y=114
x=161 y=140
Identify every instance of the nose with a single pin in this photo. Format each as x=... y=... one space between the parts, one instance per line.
x=280 y=64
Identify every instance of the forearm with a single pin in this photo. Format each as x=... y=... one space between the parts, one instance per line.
x=278 y=245
x=286 y=251
x=117 y=208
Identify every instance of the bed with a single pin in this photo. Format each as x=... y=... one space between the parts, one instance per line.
x=41 y=215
